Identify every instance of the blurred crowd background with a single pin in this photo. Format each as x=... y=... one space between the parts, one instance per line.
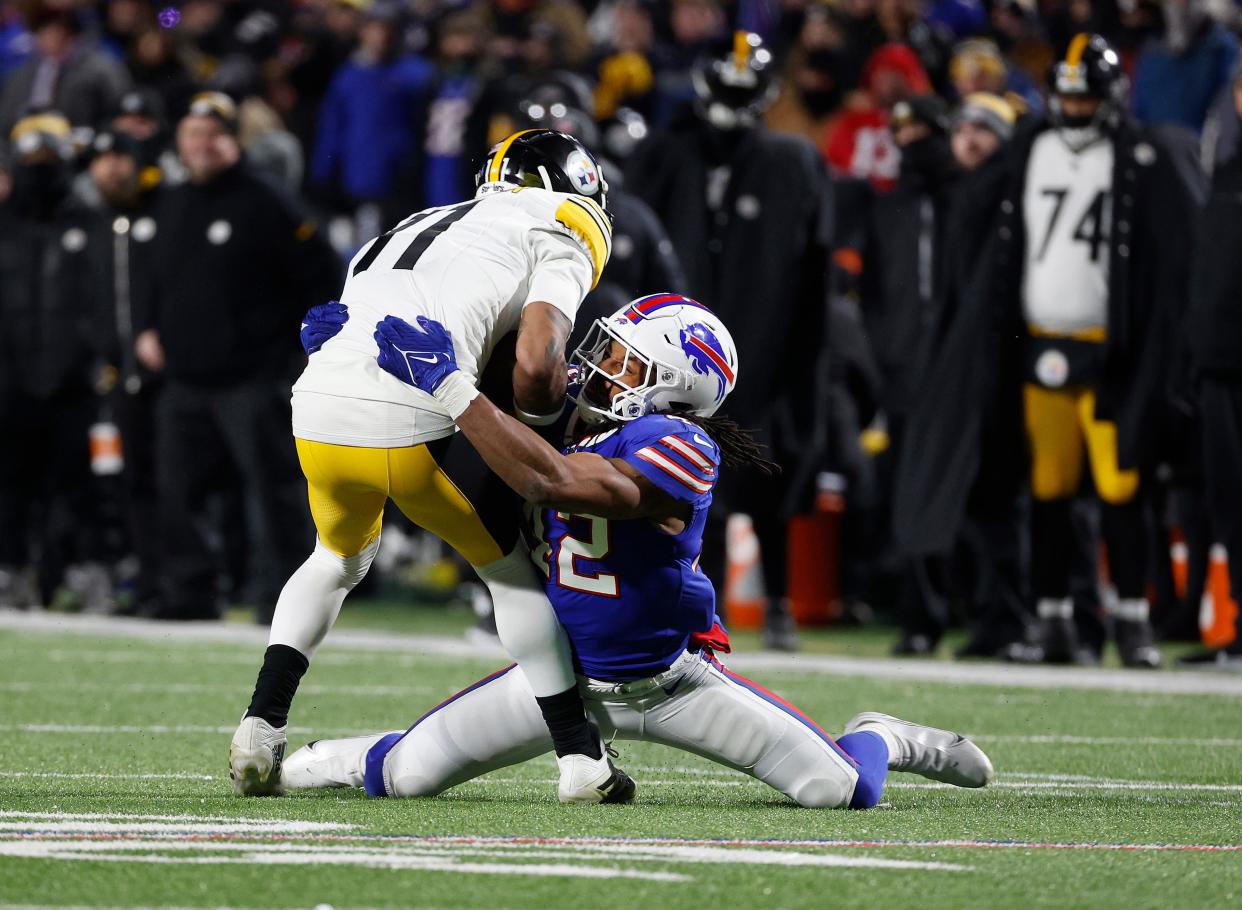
x=180 y=181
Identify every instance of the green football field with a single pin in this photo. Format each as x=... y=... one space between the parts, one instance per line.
x=1113 y=789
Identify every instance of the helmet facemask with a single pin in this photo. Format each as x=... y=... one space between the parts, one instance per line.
x=639 y=377
x=1080 y=132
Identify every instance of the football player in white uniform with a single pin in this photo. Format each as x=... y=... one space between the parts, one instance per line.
x=518 y=257
x=1098 y=299
x=619 y=520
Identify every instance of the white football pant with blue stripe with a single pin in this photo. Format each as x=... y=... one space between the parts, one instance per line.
x=696 y=705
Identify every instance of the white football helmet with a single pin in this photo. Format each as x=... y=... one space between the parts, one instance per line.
x=674 y=356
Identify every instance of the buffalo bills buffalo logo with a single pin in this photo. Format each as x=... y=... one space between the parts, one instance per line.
x=707 y=356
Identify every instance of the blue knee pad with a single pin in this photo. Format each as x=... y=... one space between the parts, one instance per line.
x=871 y=754
x=373 y=776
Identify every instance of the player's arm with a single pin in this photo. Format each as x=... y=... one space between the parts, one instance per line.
x=539 y=373
x=423 y=357
x=565 y=263
x=580 y=483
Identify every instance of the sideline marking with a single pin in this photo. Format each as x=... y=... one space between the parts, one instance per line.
x=1167 y=682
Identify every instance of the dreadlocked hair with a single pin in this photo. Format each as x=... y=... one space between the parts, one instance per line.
x=738 y=447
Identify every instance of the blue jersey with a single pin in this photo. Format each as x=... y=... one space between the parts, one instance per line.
x=628 y=594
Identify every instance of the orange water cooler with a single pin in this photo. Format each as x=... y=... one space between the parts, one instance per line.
x=814 y=578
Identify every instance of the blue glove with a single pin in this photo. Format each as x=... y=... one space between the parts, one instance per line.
x=422 y=357
x=322 y=322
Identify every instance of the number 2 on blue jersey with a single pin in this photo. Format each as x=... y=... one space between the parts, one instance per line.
x=565 y=556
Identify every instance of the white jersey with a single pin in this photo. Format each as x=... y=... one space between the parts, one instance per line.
x=473 y=267
x=1068 y=211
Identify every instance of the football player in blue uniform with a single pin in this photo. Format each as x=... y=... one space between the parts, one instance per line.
x=617 y=521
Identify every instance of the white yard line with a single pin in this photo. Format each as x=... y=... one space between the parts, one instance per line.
x=65 y=775
x=173 y=907
x=234 y=689
x=1027 y=782
x=121 y=819
x=1129 y=741
x=145 y=729
x=1018 y=677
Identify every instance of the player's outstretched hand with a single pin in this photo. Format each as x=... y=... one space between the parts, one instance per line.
x=421 y=356
x=322 y=322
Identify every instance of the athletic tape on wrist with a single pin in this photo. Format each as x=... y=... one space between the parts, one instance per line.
x=535 y=420
x=455 y=393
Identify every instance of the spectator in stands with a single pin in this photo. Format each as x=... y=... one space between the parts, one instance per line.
x=237 y=267
x=858 y=142
x=140 y=116
x=1018 y=32
x=321 y=42
x=626 y=77
x=977 y=66
x=367 y=147
x=817 y=79
x=749 y=212
x=1181 y=72
x=66 y=72
x=696 y=25
x=452 y=135
x=158 y=68
x=48 y=510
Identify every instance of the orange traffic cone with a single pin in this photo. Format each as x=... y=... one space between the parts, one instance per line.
x=1218 y=611
x=744 y=590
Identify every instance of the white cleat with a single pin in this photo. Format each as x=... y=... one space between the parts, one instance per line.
x=593 y=780
x=936 y=754
x=255 y=756
x=328 y=763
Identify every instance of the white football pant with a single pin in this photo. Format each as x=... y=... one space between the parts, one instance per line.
x=696 y=705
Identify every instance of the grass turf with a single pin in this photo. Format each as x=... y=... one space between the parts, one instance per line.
x=85 y=717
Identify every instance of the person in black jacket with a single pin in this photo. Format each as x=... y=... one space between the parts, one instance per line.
x=47 y=400
x=1215 y=337
x=929 y=243
x=122 y=245
x=1093 y=268
x=749 y=213
x=237 y=267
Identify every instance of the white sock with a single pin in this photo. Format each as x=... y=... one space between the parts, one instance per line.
x=527 y=624
x=312 y=597
x=1131 y=609
x=1055 y=608
x=890 y=740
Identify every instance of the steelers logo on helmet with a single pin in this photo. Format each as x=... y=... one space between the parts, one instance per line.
x=544 y=158
x=582 y=173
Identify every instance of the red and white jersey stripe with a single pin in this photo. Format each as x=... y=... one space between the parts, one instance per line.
x=659 y=459
x=687 y=450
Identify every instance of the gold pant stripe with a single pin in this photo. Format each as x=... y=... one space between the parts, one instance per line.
x=1096 y=335
x=1059 y=423
x=348 y=486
